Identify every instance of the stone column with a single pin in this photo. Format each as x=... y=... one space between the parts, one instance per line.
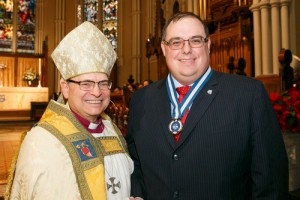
x=40 y=27
x=196 y=7
x=120 y=60
x=257 y=37
x=60 y=9
x=266 y=37
x=189 y=5
x=136 y=40
x=285 y=28
x=202 y=9
x=275 y=13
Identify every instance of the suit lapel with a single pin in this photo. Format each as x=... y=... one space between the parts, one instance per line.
x=163 y=108
x=200 y=105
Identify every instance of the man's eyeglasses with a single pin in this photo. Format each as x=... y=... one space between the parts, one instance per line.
x=89 y=85
x=178 y=43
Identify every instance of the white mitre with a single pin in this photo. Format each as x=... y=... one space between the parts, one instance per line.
x=84 y=50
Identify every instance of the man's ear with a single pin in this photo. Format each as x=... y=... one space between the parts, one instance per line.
x=163 y=46
x=208 y=44
x=64 y=86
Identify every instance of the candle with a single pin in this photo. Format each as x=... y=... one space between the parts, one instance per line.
x=40 y=72
x=40 y=66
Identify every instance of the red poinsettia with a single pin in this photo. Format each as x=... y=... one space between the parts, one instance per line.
x=287 y=108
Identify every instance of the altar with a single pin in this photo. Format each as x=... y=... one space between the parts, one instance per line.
x=15 y=102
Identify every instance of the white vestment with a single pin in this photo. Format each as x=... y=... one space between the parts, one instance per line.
x=44 y=169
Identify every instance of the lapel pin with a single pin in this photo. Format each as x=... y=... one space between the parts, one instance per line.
x=209 y=91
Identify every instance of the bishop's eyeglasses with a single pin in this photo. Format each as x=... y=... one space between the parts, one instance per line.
x=178 y=43
x=89 y=85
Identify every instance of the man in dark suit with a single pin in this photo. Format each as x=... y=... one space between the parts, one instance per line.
x=221 y=141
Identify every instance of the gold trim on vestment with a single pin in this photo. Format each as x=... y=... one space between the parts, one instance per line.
x=111 y=145
x=59 y=121
x=71 y=131
x=90 y=173
x=121 y=138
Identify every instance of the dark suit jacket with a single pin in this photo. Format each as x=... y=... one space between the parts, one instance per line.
x=230 y=148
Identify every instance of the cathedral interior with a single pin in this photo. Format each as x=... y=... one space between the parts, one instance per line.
x=255 y=38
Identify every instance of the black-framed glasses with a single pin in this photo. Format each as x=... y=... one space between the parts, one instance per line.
x=89 y=85
x=194 y=42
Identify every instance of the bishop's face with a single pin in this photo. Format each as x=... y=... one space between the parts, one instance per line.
x=88 y=104
x=186 y=64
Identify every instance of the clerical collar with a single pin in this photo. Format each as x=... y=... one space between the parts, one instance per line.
x=90 y=126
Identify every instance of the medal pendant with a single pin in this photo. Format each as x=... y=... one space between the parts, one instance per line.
x=175 y=126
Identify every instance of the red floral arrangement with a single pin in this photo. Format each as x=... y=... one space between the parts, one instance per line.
x=287 y=108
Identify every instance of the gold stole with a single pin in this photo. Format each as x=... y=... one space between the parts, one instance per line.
x=86 y=152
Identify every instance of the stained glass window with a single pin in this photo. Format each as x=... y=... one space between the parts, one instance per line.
x=6 y=25
x=109 y=20
x=109 y=17
x=26 y=26
x=91 y=11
